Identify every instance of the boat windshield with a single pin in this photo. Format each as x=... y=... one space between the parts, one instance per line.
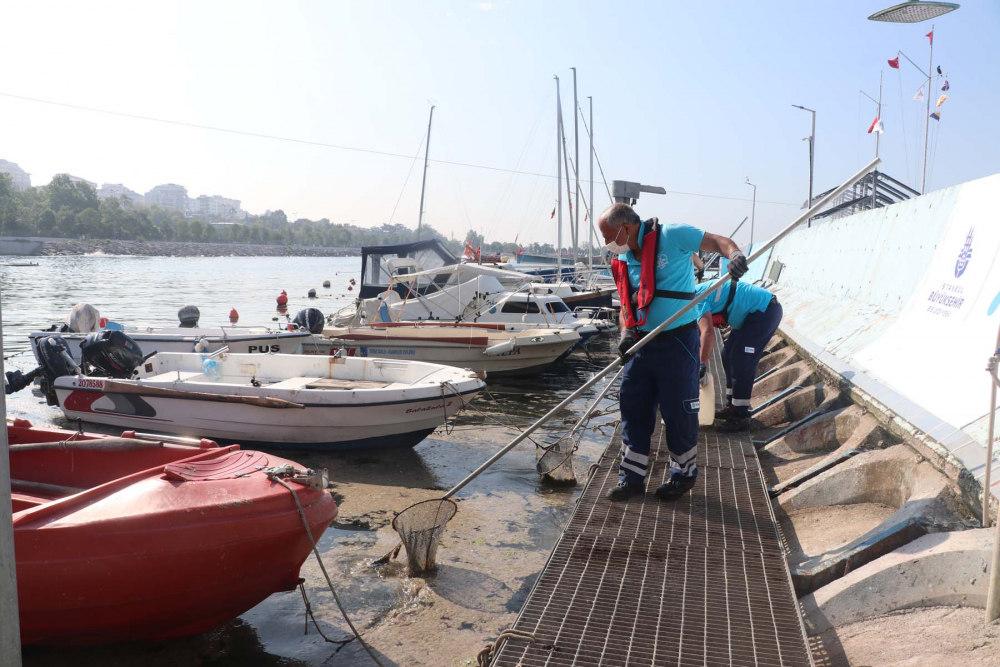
x=557 y=307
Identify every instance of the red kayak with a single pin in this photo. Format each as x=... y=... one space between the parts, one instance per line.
x=135 y=539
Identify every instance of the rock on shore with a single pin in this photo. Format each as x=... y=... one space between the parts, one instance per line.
x=182 y=249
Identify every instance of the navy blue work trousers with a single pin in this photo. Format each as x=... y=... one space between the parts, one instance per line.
x=662 y=376
x=743 y=351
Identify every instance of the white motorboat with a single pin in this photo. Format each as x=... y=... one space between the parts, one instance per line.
x=464 y=293
x=239 y=340
x=295 y=401
x=479 y=347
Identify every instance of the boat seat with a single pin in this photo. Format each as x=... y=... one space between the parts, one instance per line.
x=173 y=376
x=334 y=383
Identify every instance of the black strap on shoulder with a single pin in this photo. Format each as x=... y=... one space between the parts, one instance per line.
x=729 y=300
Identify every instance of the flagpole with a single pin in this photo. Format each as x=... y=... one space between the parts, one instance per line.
x=927 y=119
x=878 y=137
x=559 y=182
x=590 y=225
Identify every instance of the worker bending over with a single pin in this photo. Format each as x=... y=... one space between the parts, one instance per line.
x=655 y=280
x=753 y=314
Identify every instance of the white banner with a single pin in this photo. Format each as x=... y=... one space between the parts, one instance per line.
x=935 y=353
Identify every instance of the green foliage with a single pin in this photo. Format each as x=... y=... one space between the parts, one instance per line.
x=73 y=210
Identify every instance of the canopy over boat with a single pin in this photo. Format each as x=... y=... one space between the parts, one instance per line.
x=376 y=269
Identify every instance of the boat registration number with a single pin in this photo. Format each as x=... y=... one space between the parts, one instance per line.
x=91 y=384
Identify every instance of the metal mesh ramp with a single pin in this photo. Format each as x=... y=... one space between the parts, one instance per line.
x=702 y=581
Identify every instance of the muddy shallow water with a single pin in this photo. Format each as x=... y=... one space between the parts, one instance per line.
x=507 y=520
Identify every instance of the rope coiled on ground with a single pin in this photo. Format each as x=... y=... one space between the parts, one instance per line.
x=486 y=656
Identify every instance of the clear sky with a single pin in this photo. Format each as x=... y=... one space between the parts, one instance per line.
x=691 y=96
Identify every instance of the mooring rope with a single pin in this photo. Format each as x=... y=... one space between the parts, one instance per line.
x=489 y=651
x=274 y=476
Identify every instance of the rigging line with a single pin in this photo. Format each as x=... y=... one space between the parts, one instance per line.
x=407 y=179
x=509 y=189
x=579 y=110
x=458 y=185
x=858 y=166
x=531 y=195
x=341 y=147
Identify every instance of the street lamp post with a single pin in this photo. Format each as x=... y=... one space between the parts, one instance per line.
x=812 y=155
x=753 y=209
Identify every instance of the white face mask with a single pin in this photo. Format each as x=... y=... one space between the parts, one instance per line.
x=614 y=247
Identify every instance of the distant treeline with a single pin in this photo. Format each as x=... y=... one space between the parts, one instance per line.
x=72 y=209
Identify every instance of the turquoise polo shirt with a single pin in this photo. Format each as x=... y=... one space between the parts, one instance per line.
x=674 y=271
x=748 y=299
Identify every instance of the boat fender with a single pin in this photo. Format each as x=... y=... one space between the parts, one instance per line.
x=500 y=348
x=234 y=317
x=312 y=293
x=201 y=345
x=283 y=298
x=83 y=318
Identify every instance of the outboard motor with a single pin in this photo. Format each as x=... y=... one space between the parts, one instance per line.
x=53 y=354
x=310 y=319
x=189 y=316
x=83 y=318
x=110 y=353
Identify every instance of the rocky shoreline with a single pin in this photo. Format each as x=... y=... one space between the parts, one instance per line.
x=60 y=247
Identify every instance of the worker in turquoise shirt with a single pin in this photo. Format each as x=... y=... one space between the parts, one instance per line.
x=655 y=280
x=754 y=314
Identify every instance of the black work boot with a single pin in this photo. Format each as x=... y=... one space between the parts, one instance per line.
x=733 y=424
x=624 y=490
x=675 y=488
x=724 y=413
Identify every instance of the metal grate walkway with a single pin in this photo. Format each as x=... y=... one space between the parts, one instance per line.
x=702 y=581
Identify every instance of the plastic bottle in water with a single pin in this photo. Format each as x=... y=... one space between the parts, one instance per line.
x=212 y=370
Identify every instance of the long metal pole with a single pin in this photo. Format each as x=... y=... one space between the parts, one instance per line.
x=993 y=595
x=722 y=280
x=989 y=443
x=812 y=160
x=423 y=186
x=927 y=119
x=878 y=136
x=753 y=214
x=10 y=628
x=559 y=161
x=576 y=169
x=569 y=194
x=590 y=214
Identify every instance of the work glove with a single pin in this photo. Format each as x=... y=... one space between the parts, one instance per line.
x=628 y=339
x=737 y=264
x=699 y=274
x=703 y=375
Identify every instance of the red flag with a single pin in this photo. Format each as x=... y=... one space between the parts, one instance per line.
x=930 y=36
x=894 y=63
x=519 y=248
x=553 y=214
x=876 y=126
x=571 y=206
x=586 y=216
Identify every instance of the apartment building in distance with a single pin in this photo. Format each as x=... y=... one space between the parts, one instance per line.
x=77 y=179
x=215 y=206
x=121 y=193
x=21 y=178
x=169 y=196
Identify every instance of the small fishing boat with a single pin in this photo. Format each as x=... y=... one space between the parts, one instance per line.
x=479 y=347
x=135 y=538
x=297 y=401
x=260 y=340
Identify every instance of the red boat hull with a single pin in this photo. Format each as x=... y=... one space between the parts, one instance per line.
x=148 y=554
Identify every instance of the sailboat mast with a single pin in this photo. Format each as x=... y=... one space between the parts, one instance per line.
x=423 y=186
x=590 y=215
x=559 y=160
x=576 y=169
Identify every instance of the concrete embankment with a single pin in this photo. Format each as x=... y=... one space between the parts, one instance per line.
x=898 y=307
x=56 y=247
